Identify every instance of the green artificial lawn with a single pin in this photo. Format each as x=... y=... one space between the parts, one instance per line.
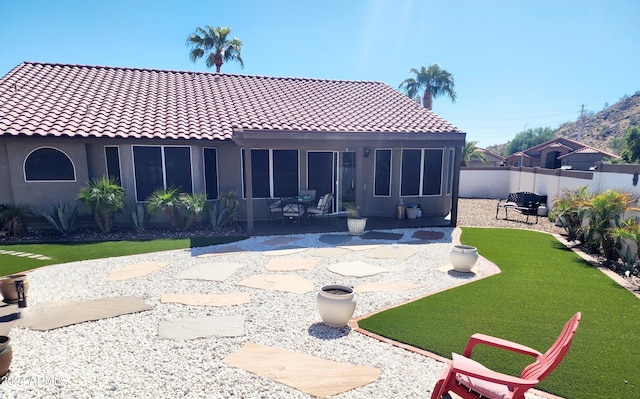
x=70 y=252
x=542 y=284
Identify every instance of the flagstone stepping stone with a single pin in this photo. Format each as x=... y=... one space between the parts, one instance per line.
x=207 y=299
x=364 y=246
x=210 y=271
x=230 y=250
x=288 y=264
x=283 y=251
x=392 y=252
x=328 y=252
x=202 y=327
x=428 y=235
x=379 y=235
x=135 y=270
x=356 y=268
x=335 y=239
x=55 y=315
x=312 y=375
x=278 y=282
x=277 y=241
x=387 y=286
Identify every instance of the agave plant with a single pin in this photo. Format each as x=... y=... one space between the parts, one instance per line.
x=62 y=217
x=629 y=247
x=224 y=211
x=569 y=210
x=137 y=216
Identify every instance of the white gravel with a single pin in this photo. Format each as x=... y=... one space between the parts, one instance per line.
x=123 y=357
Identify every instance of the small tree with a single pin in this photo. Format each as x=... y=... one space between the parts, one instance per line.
x=168 y=201
x=528 y=138
x=104 y=197
x=631 y=145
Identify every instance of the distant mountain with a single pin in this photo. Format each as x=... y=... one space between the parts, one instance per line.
x=600 y=129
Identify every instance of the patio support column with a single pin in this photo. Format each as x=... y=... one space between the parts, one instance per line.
x=457 y=161
x=248 y=188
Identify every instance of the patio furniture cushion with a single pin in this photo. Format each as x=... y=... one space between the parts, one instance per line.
x=486 y=388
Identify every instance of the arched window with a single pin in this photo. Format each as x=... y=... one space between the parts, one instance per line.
x=48 y=164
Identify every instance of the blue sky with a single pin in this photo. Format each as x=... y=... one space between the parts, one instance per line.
x=516 y=63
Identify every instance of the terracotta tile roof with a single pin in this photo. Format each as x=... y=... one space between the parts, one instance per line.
x=93 y=101
x=589 y=150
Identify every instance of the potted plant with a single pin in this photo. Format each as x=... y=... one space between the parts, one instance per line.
x=336 y=304
x=355 y=222
x=412 y=211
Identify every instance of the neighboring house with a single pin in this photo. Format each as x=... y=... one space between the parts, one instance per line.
x=559 y=153
x=493 y=159
x=61 y=125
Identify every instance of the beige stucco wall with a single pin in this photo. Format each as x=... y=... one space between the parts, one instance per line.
x=88 y=158
x=40 y=194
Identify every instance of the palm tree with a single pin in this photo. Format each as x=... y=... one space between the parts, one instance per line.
x=435 y=82
x=470 y=152
x=104 y=197
x=216 y=45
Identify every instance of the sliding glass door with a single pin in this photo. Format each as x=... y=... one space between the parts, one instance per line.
x=332 y=172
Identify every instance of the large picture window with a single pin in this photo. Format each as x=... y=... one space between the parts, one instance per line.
x=274 y=173
x=161 y=167
x=48 y=164
x=383 y=173
x=210 y=156
x=421 y=172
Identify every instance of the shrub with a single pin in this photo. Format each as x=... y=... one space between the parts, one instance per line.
x=603 y=213
x=62 y=217
x=14 y=219
x=181 y=208
x=104 y=197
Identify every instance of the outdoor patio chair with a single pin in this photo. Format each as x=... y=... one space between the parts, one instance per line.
x=469 y=379
x=293 y=210
x=324 y=206
x=275 y=208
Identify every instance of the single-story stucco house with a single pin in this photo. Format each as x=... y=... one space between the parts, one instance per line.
x=61 y=125
x=559 y=153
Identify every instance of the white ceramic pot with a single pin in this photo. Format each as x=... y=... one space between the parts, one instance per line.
x=336 y=304
x=412 y=213
x=542 y=210
x=356 y=226
x=463 y=258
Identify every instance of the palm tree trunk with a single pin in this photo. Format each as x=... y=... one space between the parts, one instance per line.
x=427 y=99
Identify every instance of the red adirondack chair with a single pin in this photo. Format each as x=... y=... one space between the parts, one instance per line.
x=469 y=379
